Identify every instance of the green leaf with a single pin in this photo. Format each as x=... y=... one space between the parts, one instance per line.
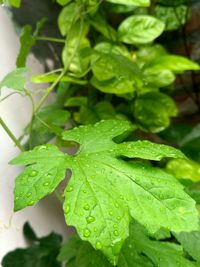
x=63 y=2
x=140 y=29
x=15 y=80
x=173 y=17
x=101 y=25
x=101 y=216
x=153 y=110
x=73 y=55
x=158 y=79
x=41 y=253
x=29 y=233
x=191 y=243
x=46 y=169
x=82 y=254
x=68 y=16
x=142 y=3
x=26 y=41
x=185 y=169
x=47 y=78
x=163 y=254
x=174 y=63
x=46 y=124
x=15 y=3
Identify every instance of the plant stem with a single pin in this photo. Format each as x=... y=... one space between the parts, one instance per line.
x=50 y=39
x=10 y=134
x=49 y=90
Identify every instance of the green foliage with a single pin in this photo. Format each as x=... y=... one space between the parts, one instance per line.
x=88 y=206
x=15 y=80
x=41 y=253
x=111 y=76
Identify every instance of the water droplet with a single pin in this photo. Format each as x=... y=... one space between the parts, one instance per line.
x=118 y=218
x=46 y=183
x=16 y=198
x=84 y=191
x=86 y=207
x=31 y=203
x=67 y=209
x=116 y=233
x=86 y=232
x=70 y=188
x=90 y=219
x=114 y=226
x=42 y=147
x=33 y=173
x=49 y=175
x=98 y=245
x=110 y=213
x=116 y=205
x=28 y=194
x=121 y=197
x=81 y=213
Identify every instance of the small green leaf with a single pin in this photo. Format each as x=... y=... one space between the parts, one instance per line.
x=153 y=110
x=191 y=243
x=142 y=3
x=15 y=80
x=185 y=169
x=177 y=64
x=67 y=17
x=63 y=2
x=140 y=29
x=46 y=169
x=173 y=17
x=15 y=3
x=163 y=254
x=26 y=41
x=42 y=253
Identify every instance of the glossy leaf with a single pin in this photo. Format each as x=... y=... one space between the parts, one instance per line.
x=15 y=80
x=67 y=18
x=63 y=2
x=15 y=3
x=140 y=29
x=163 y=254
x=142 y=3
x=46 y=169
x=148 y=194
x=173 y=17
x=185 y=169
x=191 y=243
x=177 y=64
x=153 y=111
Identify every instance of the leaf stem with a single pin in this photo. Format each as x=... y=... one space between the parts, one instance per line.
x=10 y=134
x=50 y=39
x=49 y=90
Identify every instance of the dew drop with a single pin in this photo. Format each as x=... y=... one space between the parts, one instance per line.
x=86 y=232
x=28 y=194
x=116 y=233
x=114 y=226
x=31 y=203
x=46 y=183
x=90 y=219
x=16 y=198
x=70 y=188
x=110 y=213
x=95 y=229
x=33 y=173
x=42 y=147
x=86 y=207
x=118 y=218
x=67 y=209
x=116 y=205
x=98 y=245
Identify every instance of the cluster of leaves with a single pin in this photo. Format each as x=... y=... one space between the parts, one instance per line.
x=112 y=81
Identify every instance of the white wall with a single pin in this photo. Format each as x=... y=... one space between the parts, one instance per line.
x=47 y=215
